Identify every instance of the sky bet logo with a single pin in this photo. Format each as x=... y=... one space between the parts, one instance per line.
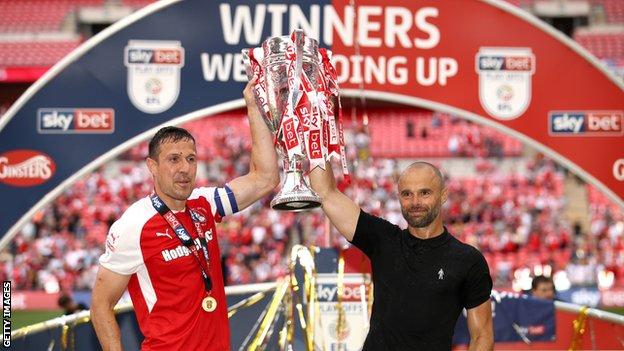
x=75 y=121
x=585 y=123
x=155 y=56
x=520 y=63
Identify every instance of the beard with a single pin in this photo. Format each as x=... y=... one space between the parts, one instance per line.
x=420 y=220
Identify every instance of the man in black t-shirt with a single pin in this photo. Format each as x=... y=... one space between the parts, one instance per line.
x=423 y=277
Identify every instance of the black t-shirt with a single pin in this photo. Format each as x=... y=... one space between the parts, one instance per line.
x=420 y=286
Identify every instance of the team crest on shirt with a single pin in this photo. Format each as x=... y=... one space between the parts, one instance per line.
x=198 y=217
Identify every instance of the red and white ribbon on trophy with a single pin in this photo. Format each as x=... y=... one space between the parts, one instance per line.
x=319 y=129
x=259 y=87
x=291 y=124
x=309 y=126
x=309 y=113
x=335 y=134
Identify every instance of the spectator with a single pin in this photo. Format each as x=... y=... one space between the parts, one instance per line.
x=69 y=306
x=543 y=288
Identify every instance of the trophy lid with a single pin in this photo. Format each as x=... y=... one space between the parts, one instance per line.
x=277 y=46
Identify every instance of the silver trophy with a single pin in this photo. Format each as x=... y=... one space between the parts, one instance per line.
x=295 y=194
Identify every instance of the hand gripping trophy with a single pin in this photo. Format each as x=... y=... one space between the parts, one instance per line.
x=297 y=94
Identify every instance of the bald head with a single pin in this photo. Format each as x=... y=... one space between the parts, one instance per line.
x=421 y=194
x=422 y=166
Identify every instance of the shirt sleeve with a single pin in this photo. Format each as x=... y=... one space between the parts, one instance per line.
x=221 y=199
x=478 y=286
x=369 y=232
x=123 y=250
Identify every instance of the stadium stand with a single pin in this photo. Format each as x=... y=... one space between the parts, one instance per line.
x=38 y=15
x=409 y=133
x=604 y=46
x=607 y=231
x=136 y=3
x=613 y=9
x=35 y=53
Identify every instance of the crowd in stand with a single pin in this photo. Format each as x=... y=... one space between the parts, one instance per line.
x=515 y=220
x=472 y=140
x=604 y=243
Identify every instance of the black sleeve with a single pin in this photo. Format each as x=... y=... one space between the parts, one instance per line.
x=478 y=284
x=369 y=232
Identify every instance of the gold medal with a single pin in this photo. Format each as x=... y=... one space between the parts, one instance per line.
x=209 y=304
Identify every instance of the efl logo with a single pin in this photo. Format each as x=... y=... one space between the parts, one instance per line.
x=25 y=168
x=154 y=68
x=75 y=120
x=586 y=123
x=505 y=80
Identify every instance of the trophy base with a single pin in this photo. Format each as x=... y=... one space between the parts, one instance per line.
x=295 y=203
x=295 y=194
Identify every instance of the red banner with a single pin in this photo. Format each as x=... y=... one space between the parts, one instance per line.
x=21 y=74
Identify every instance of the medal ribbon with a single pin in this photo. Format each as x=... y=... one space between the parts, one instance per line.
x=185 y=238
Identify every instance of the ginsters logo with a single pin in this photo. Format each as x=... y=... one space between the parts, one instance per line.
x=153 y=73
x=25 y=168
x=505 y=76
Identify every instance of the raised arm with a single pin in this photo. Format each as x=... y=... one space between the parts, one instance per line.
x=341 y=210
x=109 y=286
x=480 y=327
x=263 y=173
